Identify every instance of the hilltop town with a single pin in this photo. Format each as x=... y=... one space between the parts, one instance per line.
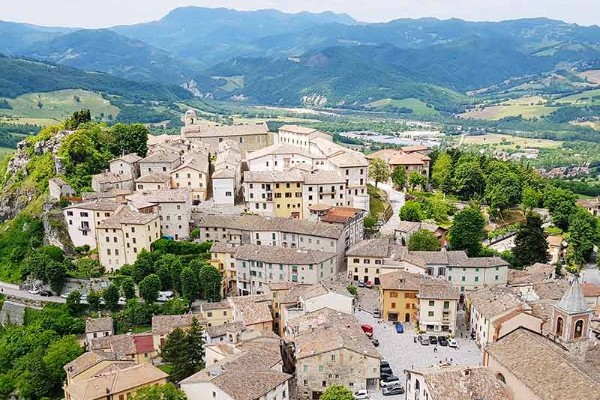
x=241 y=262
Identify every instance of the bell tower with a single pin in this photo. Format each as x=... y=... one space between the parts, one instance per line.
x=571 y=316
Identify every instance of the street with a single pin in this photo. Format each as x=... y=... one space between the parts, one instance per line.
x=8 y=289
x=397 y=200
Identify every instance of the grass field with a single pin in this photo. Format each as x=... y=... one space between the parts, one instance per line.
x=419 y=107
x=4 y=151
x=511 y=142
x=232 y=82
x=56 y=106
x=582 y=98
x=528 y=107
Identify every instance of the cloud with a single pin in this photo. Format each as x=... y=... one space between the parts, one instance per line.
x=104 y=13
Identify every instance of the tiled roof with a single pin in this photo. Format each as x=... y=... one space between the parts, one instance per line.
x=292 y=175
x=221 y=330
x=549 y=371
x=224 y=173
x=225 y=130
x=255 y=309
x=262 y=224
x=161 y=155
x=553 y=290
x=98 y=324
x=154 y=177
x=462 y=383
x=437 y=289
x=143 y=343
x=281 y=255
x=117 y=381
x=220 y=305
x=491 y=301
x=96 y=205
x=395 y=157
x=340 y=215
x=91 y=358
x=302 y=130
x=416 y=148
x=109 y=177
x=165 y=324
x=277 y=149
x=128 y=158
x=164 y=196
x=321 y=177
x=370 y=248
x=198 y=162
x=400 y=280
x=118 y=344
x=411 y=226
x=536 y=273
x=590 y=289
x=127 y=216
x=327 y=330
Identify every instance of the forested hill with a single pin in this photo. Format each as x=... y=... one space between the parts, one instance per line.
x=21 y=76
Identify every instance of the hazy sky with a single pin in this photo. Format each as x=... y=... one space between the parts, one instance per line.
x=102 y=13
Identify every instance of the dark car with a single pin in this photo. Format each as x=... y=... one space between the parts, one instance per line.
x=375 y=342
x=443 y=341
x=46 y=293
x=385 y=374
x=433 y=339
x=384 y=363
x=386 y=370
x=393 y=390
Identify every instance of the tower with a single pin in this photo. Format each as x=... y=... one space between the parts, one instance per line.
x=190 y=117
x=571 y=316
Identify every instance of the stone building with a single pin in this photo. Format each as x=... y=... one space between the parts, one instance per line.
x=83 y=218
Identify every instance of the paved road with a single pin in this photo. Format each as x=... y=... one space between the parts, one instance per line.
x=11 y=290
x=591 y=273
x=397 y=200
x=503 y=245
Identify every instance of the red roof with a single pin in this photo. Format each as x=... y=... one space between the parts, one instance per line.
x=143 y=344
x=340 y=215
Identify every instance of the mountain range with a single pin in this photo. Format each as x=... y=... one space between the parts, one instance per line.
x=321 y=59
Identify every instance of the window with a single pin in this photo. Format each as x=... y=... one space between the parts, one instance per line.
x=333 y=357
x=305 y=368
x=321 y=368
x=356 y=261
x=476 y=279
x=393 y=305
x=496 y=277
x=227 y=194
x=463 y=279
x=431 y=303
x=578 y=329
x=70 y=213
x=367 y=261
x=395 y=294
x=446 y=304
x=430 y=313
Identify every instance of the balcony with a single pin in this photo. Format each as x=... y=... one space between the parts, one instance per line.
x=84 y=228
x=445 y=320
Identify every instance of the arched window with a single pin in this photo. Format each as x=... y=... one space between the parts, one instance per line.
x=578 y=329
x=501 y=378
x=417 y=385
x=559 y=326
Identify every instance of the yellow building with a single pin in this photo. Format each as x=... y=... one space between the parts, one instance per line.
x=222 y=258
x=217 y=313
x=398 y=296
x=287 y=198
x=119 y=384
x=274 y=193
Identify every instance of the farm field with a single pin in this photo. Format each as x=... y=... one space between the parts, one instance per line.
x=582 y=98
x=592 y=76
x=419 y=107
x=55 y=106
x=528 y=107
x=510 y=142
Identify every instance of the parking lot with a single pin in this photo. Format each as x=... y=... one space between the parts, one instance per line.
x=400 y=350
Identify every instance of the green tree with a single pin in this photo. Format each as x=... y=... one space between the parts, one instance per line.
x=74 y=301
x=531 y=198
x=399 y=177
x=93 y=299
x=411 y=211
x=370 y=221
x=189 y=284
x=128 y=288
x=175 y=351
x=423 y=240
x=149 y=288
x=78 y=117
x=561 y=204
x=175 y=306
x=337 y=392
x=195 y=339
x=55 y=253
x=195 y=233
x=111 y=297
x=442 y=171
x=56 y=276
x=530 y=243
x=416 y=179
x=466 y=232
x=468 y=180
x=130 y=139
x=583 y=235
x=378 y=171
x=161 y=392
x=165 y=266
x=59 y=353
x=144 y=265
x=210 y=283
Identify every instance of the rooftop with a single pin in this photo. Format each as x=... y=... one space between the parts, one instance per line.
x=197 y=162
x=154 y=177
x=590 y=289
x=128 y=158
x=197 y=131
x=162 y=155
x=491 y=301
x=221 y=330
x=255 y=309
x=126 y=216
x=109 y=177
x=302 y=130
x=96 y=205
x=437 y=289
x=573 y=302
x=282 y=255
x=536 y=273
x=400 y=280
x=121 y=345
x=320 y=177
x=89 y=359
x=462 y=383
x=292 y=175
x=165 y=324
x=163 y=196
x=275 y=224
x=118 y=381
x=277 y=149
x=550 y=372
x=99 y=324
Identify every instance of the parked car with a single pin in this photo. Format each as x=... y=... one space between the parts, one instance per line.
x=376 y=313
x=361 y=395
x=375 y=342
x=386 y=369
x=399 y=327
x=65 y=295
x=368 y=284
x=384 y=363
x=390 y=381
x=424 y=340
x=34 y=291
x=361 y=283
x=122 y=301
x=443 y=341
x=368 y=330
x=433 y=339
x=452 y=343
x=393 y=390
x=385 y=374
x=46 y=293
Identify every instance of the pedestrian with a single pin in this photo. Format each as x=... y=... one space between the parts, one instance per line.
x=435 y=349
x=461 y=335
x=451 y=361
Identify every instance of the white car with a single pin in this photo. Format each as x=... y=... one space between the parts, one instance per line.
x=361 y=395
x=452 y=343
x=389 y=381
x=34 y=291
x=122 y=301
x=65 y=295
